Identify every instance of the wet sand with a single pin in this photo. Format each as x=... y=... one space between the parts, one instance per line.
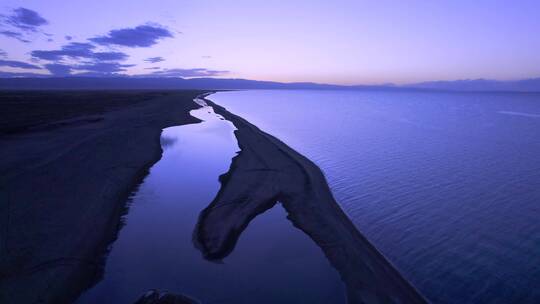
x=266 y=172
x=68 y=162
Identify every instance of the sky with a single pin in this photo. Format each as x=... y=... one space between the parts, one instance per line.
x=339 y=42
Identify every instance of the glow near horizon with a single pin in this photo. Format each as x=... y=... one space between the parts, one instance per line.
x=342 y=42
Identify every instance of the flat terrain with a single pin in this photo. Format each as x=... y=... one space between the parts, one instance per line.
x=267 y=171
x=29 y=110
x=68 y=162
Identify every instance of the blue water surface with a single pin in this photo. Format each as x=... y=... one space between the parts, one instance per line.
x=273 y=262
x=446 y=185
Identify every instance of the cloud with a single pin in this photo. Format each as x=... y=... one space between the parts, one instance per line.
x=25 y=19
x=111 y=56
x=87 y=69
x=57 y=69
x=152 y=68
x=3 y=53
x=77 y=50
x=206 y=57
x=72 y=50
x=87 y=61
x=197 y=72
x=18 y=74
x=14 y=35
x=154 y=59
x=103 y=67
x=17 y=64
x=69 y=38
x=140 y=36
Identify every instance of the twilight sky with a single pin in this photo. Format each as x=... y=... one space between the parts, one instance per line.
x=342 y=42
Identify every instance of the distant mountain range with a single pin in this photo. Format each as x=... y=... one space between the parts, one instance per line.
x=120 y=83
x=525 y=85
x=154 y=83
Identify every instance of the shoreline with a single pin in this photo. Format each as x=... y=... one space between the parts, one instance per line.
x=267 y=171
x=73 y=188
x=64 y=190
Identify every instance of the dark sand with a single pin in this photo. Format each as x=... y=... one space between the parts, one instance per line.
x=68 y=162
x=267 y=171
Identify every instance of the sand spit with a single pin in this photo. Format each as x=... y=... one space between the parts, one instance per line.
x=63 y=189
x=267 y=171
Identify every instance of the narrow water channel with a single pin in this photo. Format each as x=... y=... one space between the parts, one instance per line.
x=273 y=262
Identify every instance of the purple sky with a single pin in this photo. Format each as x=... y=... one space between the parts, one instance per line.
x=342 y=42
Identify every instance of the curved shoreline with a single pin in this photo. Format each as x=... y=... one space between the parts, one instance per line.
x=63 y=192
x=267 y=171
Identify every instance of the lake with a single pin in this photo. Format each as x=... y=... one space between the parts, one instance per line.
x=446 y=185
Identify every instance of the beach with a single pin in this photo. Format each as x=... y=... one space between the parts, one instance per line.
x=66 y=183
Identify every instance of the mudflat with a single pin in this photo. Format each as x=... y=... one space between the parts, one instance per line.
x=68 y=162
x=267 y=171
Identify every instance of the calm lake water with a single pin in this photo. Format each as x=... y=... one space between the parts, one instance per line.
x=273 y=262
x=446 y=185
